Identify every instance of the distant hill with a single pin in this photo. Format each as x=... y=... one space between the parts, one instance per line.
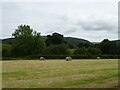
x=8 y=41
x=0 y=41
x=75 y=41
x=95 y=42
x=70 y=40
x=117 y=41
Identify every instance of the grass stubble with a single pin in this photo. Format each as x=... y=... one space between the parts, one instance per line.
x=60 y=73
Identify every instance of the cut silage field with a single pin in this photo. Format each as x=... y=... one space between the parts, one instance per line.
x=60 y=73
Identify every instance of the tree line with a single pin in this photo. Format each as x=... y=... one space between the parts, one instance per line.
x=29 y=43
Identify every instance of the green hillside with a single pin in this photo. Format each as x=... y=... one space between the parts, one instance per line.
x=69 y=40
x=8 y=41
x=76 y=41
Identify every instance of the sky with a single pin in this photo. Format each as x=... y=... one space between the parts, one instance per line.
x=93 y=20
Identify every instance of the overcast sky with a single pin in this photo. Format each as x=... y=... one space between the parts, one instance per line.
x=93 y=21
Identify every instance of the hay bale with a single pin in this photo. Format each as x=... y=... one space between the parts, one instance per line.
x=98 y=58
x=68 y=58
x=42 y=58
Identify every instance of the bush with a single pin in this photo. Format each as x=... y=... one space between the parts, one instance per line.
x=46 y=56
x=93 y=51
x=110 y=56
x=54 y=50
x=87 y=51
x=80 y=51
x=6 y=50
x=84 y=56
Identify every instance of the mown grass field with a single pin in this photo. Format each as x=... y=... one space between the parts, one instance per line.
x=60 y=73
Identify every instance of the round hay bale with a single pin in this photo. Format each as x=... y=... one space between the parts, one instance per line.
x=68 y=58
x=98 y=58
x=42 y=58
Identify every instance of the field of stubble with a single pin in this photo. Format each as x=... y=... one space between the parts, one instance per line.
x=60 y=73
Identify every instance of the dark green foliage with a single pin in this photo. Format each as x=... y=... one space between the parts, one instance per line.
x=61 y=49
x=56 y=45
x=0 y=51
x=87 y=51
x=54 y=39
x=81 y=51
x=118 y=46
x=71 y=46
x=93 y=51
x=110 y=56
x=108 y=47
x=84 y=56
x=46 y=56
x=6 y=50
x=76 y=41
x=0 y=41
x=57 y=38
x=8 y=41
x=86 y=45
x=72 y=42
x=38 y=43
x=97 y=45
x=27 y=41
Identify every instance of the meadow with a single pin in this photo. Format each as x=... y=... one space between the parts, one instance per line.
x=92 y=73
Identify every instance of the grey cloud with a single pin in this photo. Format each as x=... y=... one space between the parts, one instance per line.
x=65 y=18
x=99 y=23
x=49 y=31
x=71 y=30
x=98 y=26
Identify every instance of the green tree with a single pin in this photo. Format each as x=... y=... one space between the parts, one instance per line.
x=6 y=50
x=93 y=51
x=97 y=45
x=54 y=39
x=86 y=45
x=87 y=51
x=118 y=47
x=61 y=49
x=81 y=51
x=108 y=47
x=27 y=41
